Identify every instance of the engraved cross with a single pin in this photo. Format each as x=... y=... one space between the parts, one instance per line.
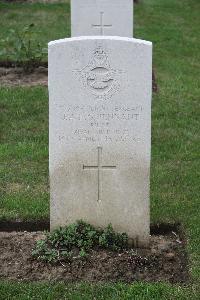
x=99 y=168
x=101 y=26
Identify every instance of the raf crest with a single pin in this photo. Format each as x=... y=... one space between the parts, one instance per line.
x=98 y=77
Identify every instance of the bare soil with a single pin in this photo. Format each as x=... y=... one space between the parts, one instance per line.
x=16 y=77
x=10 y=76
x=165 y=260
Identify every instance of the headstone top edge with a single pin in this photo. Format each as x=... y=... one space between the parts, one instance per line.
x=103 y=38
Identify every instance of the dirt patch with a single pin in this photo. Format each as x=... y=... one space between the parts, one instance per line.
x=23 y=225
x=154 y=83
x=10 y=76
x=41 y=225
x=165 y=260
x=16 y=77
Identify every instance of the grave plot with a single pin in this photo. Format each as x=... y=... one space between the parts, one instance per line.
x=164 y=260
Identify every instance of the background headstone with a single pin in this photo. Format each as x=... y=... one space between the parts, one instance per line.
x=100 y=133
x=102 y=17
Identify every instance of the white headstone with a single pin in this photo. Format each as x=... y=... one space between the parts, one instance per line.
x=100 y=132
x=102 y=17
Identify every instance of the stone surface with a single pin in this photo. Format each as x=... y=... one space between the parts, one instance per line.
x=102 y=17
x=100 y=132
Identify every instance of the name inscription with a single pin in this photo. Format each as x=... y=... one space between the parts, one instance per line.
x=99 y=123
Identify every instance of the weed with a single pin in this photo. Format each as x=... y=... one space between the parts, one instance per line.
x=75 y=240
x=22 y=47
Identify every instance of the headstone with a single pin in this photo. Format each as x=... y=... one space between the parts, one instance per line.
x=102 y=17
x=100 y=133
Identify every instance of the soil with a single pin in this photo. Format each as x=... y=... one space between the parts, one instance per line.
x=164 y=260
x=16 y=76
x=10 y=76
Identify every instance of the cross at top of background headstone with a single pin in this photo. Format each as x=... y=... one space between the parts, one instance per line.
x=102 y=17
x=102 y=25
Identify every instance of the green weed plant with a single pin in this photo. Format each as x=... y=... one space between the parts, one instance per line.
x=22 y=48
x=76 y=240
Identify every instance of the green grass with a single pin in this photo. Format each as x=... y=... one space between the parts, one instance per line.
x=24 y=153
x=83 y=291
x=52 y=21
x=173 y=26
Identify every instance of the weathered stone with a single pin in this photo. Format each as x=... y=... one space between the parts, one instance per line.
x=102 y=17
x=100 y=133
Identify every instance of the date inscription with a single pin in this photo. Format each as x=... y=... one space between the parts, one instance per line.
x=99 y=123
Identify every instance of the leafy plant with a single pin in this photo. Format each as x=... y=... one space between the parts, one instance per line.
x=22 y=47
x=75 y=241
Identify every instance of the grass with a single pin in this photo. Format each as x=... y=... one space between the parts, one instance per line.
x=83 y=291
x=24 y=153
x=173 y=26
x=52 y=21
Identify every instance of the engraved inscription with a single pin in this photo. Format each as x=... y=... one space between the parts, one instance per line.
x=101 y=26
x=98 y=76
x=95 y=123
x=99 y=168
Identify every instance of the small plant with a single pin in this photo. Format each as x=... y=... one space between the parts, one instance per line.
x=23 y=48
x=75 y=241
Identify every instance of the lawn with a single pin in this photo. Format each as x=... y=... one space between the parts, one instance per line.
x=52 y=21
x=173 y=27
